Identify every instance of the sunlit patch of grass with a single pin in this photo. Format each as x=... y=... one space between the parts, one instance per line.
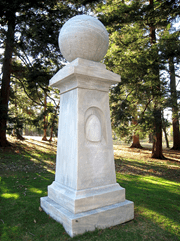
x=10 y=195
x=156 y=199
x=49 y=170
x=169 y=185
x=153 y=186
x=162 y=220
x=35 y=190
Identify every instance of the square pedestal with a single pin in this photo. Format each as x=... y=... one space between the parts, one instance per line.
x=85 y=195
x=79 y=223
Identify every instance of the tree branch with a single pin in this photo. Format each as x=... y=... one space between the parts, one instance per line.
x=28 y=94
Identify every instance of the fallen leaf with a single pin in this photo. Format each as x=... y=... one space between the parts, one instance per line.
x=40 y=209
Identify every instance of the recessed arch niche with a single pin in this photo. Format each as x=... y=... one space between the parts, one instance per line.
x=95 y=129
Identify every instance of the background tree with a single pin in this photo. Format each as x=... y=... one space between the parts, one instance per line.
x=149 y=18
x=30 y=32
x=24 y=92
x=53 y=120
x=170 y=53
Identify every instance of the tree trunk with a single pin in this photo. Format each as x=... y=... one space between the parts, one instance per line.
x=175 y=117
x=6 y=69
x=157 y=147
x=45 y=122
x=51 y=134
x=157 y=142
x=53 y=121
x=150 y=138
x=157 y=138
x=136 y=143
x=16 y=128
x=166 y=138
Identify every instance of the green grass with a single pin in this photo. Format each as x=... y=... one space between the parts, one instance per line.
x=27 y=170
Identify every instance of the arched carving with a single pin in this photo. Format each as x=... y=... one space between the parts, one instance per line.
x=93 y=129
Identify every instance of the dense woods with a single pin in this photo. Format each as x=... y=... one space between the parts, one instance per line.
x=144 y=48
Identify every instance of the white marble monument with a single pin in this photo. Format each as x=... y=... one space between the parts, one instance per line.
x=85 y=195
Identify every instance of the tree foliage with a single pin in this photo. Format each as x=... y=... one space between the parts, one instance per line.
x=29 y=32
x=136 y=29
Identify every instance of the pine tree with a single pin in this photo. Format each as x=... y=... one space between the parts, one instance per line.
x=151 y=17
x=170 y=53
x=30 y=31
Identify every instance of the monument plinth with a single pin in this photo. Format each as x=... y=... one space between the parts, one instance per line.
x=85 y=195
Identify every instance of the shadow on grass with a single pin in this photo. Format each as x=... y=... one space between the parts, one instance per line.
x=161 y=168
x=21 y=216
x=155 y=194
x=21 y=157
x=156 y=199
x=156 y=210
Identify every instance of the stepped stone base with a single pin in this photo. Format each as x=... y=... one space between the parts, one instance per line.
x=85 y=195
x=79 y=223
x=78 y=201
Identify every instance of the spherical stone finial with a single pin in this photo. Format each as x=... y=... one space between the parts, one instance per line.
x=83 y=37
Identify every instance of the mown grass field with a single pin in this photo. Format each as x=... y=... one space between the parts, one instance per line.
x=27 y=168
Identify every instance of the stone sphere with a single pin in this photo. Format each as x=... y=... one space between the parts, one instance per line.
x=83 y=37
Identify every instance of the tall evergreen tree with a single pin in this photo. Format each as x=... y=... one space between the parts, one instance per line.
x=30 y=30
x=170 y=54
x=151 y=17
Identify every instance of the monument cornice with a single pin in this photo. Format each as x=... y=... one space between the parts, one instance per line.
x=86 y=74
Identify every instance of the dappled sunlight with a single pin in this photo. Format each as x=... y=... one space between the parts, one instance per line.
x=128 y=163
x=28 y=156
x=162 y=220
x=40 y=145
x=144 y=154
x=161 y=182
x=49 y=162
x=10 y=195
x=35 y=190
x=155 y=198
x=34 y=160
x=151 y=183
x=42 y=177
x=49 y=170
x=153 y=186
x=174 y=157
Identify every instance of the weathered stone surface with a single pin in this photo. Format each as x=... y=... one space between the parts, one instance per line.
x=103 y=217
x=84 y=74
x=82 y=163
x=85 y=195
x=78 y=201
x=83 y=37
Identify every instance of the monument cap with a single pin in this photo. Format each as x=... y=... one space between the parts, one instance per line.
x=83 y=37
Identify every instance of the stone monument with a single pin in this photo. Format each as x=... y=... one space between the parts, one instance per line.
x=85 y=195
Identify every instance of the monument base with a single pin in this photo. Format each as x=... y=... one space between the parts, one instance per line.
x=79 y=223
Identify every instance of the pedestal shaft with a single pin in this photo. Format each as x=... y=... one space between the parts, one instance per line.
x=85 y=151
x=85 y=194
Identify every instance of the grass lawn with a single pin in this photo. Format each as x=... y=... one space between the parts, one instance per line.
x=27 y=168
